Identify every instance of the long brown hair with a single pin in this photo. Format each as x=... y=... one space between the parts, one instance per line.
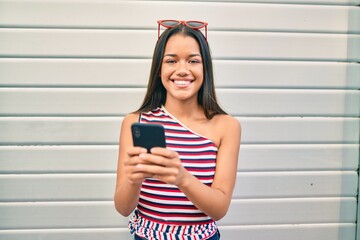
x=156 y=93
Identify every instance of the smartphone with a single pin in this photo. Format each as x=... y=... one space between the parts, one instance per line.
x=148 y=135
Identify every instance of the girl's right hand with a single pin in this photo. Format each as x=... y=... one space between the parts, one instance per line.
x=133 y=173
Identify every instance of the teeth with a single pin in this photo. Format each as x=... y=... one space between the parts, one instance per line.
x=181 y=82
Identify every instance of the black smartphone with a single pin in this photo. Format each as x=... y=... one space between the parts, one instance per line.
x=148 y=135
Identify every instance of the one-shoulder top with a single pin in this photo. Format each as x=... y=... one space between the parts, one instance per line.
x=163 y=211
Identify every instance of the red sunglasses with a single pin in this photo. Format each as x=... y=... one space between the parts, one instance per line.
x=173 y=23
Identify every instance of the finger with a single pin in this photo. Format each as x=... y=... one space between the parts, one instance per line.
x=136 y=170
x=133 y=151
x=139 y=177
x=157 y=169
x=165 y=152
x=170 y=175
x=132 y=160
x=160 y=160
x=154 y=159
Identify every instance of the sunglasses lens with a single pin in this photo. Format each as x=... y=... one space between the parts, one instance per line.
x=169 y=23
x=194 y=24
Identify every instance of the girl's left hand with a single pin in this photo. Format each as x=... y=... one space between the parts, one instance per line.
x=163 y=164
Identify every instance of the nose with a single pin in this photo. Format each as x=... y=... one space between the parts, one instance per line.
x=182 y=70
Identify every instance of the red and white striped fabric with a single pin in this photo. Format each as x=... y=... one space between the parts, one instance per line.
x=163 y=210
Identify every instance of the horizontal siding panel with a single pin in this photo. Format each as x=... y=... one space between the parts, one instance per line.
x=111 y=72
x=76 y=43
x=249 y=17
x=140 y=43
x=33 y=215
x=290 y=102
x=311 y=130
x=295 y=184
x=75 y=72
x=330 y=231
x=253 y=74
x=105 y=130
x=292 y=210
x=61 y=234
x=298 y=157
x=311 y=2
x=58 y=159
x=57 y=187
x=41 y=215
x=282 y=46
x=100 y=187
x=103 y=159
x=244 y=102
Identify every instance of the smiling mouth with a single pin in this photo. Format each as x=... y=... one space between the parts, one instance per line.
x=182 y=83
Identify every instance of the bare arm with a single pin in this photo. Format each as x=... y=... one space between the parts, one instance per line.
x=129 y=177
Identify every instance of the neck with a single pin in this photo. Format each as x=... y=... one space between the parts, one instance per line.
x=181 y=109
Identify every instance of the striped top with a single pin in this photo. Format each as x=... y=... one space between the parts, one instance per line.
x=163 y=211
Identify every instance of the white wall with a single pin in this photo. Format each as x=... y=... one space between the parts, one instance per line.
x=70 y=70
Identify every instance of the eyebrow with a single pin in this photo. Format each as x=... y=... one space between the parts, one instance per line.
x=175 y=55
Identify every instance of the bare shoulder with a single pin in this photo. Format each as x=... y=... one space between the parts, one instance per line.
x=227 y=123
x=128 y=120
x=125 y=133
x=225 y=128
x=131 y=118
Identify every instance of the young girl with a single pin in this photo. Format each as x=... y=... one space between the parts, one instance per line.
x=178 y=192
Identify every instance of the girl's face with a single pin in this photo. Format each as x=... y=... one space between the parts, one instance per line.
x=182 y=68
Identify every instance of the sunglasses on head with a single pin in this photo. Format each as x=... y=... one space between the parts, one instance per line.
x=191 y=24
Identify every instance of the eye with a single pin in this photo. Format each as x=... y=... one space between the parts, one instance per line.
x=170 y=61
x=194 y=61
